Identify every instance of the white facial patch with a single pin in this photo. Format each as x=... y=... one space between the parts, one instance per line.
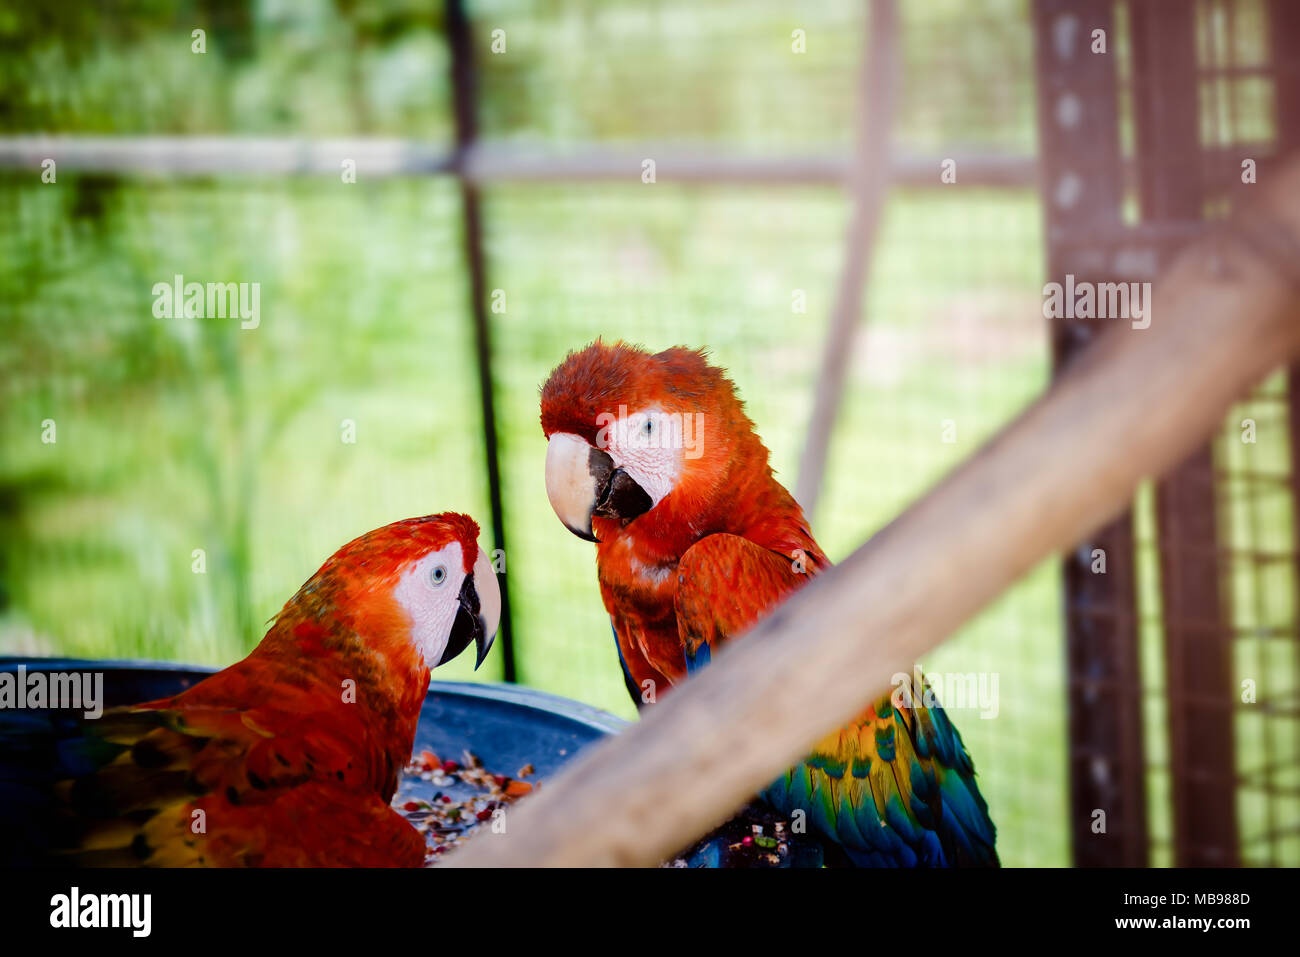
x=429 y=591
x=650 y=446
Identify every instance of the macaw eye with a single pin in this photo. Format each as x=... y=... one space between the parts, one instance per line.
x=649 y=427
x=437 y=575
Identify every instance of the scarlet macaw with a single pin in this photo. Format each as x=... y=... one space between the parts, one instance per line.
x=287 y=758
x=653 y=458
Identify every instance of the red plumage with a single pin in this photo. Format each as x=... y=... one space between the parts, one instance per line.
x=291 y=756
x=727 y=491
x=695 y=544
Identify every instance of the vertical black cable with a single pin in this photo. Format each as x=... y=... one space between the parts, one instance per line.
x=464 y=92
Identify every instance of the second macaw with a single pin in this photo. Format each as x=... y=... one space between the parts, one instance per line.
x=652 y=457
x=288 y=758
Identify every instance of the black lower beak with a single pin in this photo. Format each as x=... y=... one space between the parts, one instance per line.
x=617 y=494
x=468 y=626
x=583 y=533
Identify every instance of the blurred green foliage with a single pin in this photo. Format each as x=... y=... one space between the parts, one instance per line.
x=180 y=434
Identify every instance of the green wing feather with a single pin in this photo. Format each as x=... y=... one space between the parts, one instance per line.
x=894 y=787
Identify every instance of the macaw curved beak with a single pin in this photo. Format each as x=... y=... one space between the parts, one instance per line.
x=582 y=481
x=479 y=613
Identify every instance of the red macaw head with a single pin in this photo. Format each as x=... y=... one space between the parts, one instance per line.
x=424 y=581
x=635 y=434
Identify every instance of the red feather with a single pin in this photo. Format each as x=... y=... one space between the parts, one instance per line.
x=718 y=552
x=291 y=756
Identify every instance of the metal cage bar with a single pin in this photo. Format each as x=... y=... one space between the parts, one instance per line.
x=1198 y=642
x=1077 y=117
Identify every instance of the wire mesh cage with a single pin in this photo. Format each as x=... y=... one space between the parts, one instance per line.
x=502 y=215
x=1159 y=647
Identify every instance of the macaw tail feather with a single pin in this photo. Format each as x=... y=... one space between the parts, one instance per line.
x=895 y=788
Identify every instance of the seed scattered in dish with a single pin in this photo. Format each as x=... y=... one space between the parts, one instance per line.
x=447 y=820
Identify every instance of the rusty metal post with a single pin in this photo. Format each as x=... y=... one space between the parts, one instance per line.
x=1284 y=33
x=1198 y=643
x=1082 y=179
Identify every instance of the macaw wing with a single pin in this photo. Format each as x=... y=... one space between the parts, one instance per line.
x=895 y=787
x=318 y=823
x=158 y=785
x=726 y=583
x=633 y=689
